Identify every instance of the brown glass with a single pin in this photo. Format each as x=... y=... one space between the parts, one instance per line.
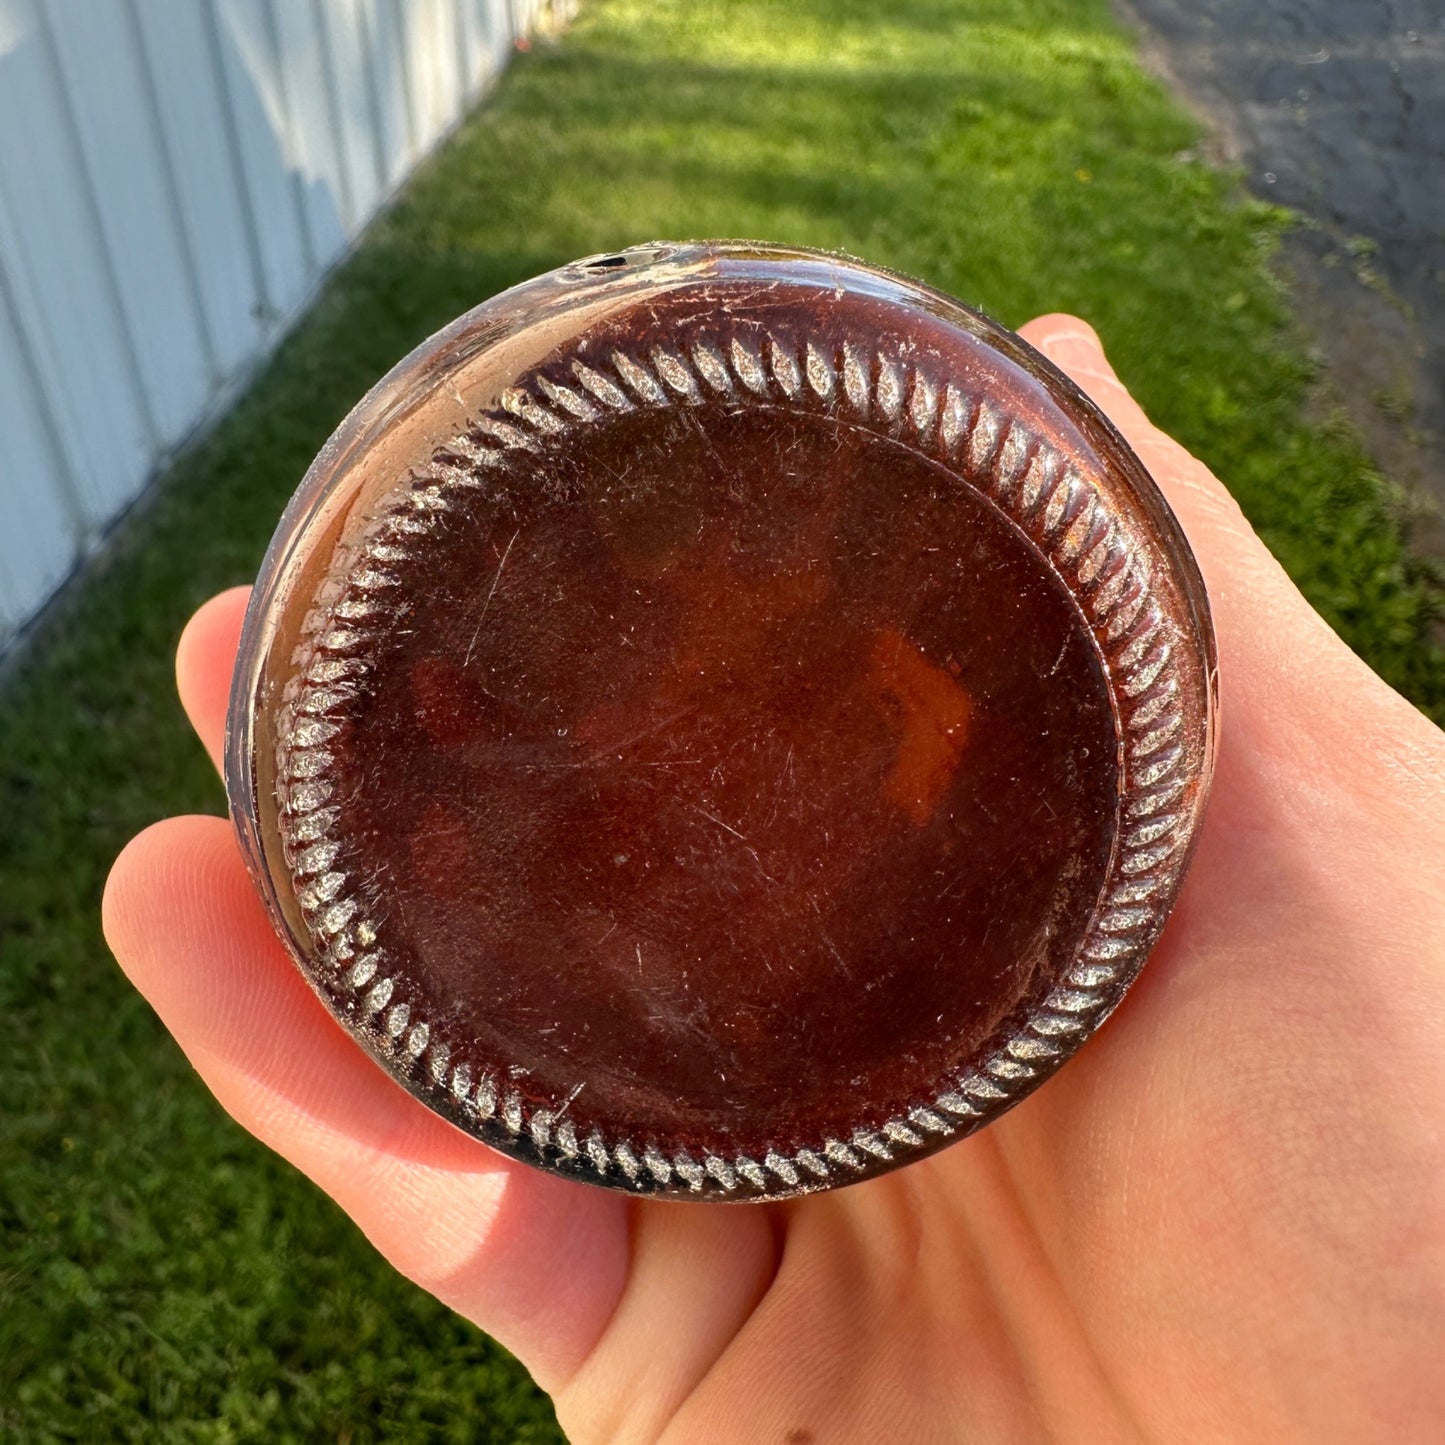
x=722 y=722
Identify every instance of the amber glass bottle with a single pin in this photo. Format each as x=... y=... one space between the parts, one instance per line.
x=722 y=721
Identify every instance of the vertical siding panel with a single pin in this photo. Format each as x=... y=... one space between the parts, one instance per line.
x=100 y=70
x=255 y=105
x=342 y=24
x=165 y=154
x=432 y=70
x=175 y=175
x=405 y=16
x=38 y=542
x=471 y=47
x=409 y=15
x=460 y=43
x=368 y=79
x=489 y=39
x=391 y=68
x=501 y=29
x=449 y=99
x=190 y=103
x=62 y=294
x=36 y=365
x=312 y=153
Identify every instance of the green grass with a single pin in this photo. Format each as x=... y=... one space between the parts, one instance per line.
x=161 y=1277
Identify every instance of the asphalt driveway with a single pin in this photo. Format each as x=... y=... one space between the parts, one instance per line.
x=1336 y=108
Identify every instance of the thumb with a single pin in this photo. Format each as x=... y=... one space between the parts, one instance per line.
x=1261 y=618
x=1283 y=671
x=1211 y=518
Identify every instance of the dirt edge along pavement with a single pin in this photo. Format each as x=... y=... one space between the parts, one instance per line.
x=1336 y=109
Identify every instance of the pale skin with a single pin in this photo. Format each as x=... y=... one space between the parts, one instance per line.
x=1224 y=1220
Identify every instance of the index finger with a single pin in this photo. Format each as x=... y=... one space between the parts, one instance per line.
x=205 y=659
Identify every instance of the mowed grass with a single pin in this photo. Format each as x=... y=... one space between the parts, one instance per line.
x=162 y=1278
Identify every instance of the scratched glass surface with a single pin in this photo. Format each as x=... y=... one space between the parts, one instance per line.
x=722 y=721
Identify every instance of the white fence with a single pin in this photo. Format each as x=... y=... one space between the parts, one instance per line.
x=175 y=178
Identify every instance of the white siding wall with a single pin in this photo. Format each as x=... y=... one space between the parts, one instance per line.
x=175 y=178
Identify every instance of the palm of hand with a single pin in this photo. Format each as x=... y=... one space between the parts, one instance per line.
x=1221 y=1221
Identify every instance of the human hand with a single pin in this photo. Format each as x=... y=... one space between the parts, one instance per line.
x=1224 y=1220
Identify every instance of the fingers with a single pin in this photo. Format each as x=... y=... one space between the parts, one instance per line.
x=534 y=1260
x=204 y=662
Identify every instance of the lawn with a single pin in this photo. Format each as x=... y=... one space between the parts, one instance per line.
x=162 y=1278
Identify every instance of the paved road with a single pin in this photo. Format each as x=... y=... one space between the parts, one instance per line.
x=1337 y=109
